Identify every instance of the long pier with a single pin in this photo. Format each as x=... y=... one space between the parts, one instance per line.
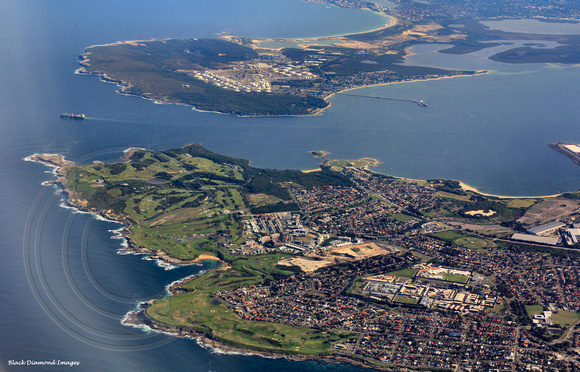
x=420 y=103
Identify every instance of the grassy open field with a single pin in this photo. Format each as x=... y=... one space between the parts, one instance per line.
x=199 y=310
x=461 y=239
x=565 y=318
x=401 y=217
x=521 y=203
x=449 y=235
x=534 y=310
x=497 y=309
x=406 y=300
x=182 y=201
x=455 y=278
x=338 y=164
x=453 y=196
x=471 y=242
x=404 y=273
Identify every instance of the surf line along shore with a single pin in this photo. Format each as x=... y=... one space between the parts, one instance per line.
x=125 y=85
x=263 y=101
x=61 y=166
x=138 y=317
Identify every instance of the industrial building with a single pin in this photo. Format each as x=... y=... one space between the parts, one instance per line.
x=546 y=228
x=536 y=239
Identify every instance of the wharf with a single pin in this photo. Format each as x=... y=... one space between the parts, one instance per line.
x=420 y=103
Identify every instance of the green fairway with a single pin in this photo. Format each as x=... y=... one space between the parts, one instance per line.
x=449 y=195
x=182 y=201
x=199 y=310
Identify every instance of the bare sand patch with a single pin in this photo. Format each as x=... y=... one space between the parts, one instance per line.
x=352 y=44
x=305 y=264
x=481 y=212
x=350 y=252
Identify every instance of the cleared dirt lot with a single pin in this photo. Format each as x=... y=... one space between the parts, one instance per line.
x=549 y=210
x=352 y=252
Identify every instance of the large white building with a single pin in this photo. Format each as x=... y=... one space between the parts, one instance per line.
x=536 y=239
x=546 y=228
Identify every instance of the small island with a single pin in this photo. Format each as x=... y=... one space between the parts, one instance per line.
x=343 y=263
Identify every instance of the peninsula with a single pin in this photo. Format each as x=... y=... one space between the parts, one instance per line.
x=274 y=77
x=345 y=263
x=246 y=77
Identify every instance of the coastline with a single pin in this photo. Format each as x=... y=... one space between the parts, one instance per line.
x=466 y=187
x=138 y=318
x=479 y=72
x=393 y=19
x=60 y=167
x=124 y=86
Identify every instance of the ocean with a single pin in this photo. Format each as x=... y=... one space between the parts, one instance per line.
x=64 y=289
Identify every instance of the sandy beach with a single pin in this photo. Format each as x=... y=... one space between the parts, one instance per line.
x=480 y=72
x=393 y=21
x=466 y=187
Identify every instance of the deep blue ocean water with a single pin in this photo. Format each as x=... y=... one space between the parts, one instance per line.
x=63 y=287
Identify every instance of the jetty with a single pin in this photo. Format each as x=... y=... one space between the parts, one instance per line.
x=420 y=103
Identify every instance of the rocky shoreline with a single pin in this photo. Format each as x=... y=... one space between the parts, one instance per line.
x=139 y=317
x=61 y=167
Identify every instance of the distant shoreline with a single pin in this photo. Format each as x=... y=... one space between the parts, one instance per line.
x=394 y=22
x=477 y=73
x=125 y=86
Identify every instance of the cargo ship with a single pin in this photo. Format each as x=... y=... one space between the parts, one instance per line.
x=72 y=116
